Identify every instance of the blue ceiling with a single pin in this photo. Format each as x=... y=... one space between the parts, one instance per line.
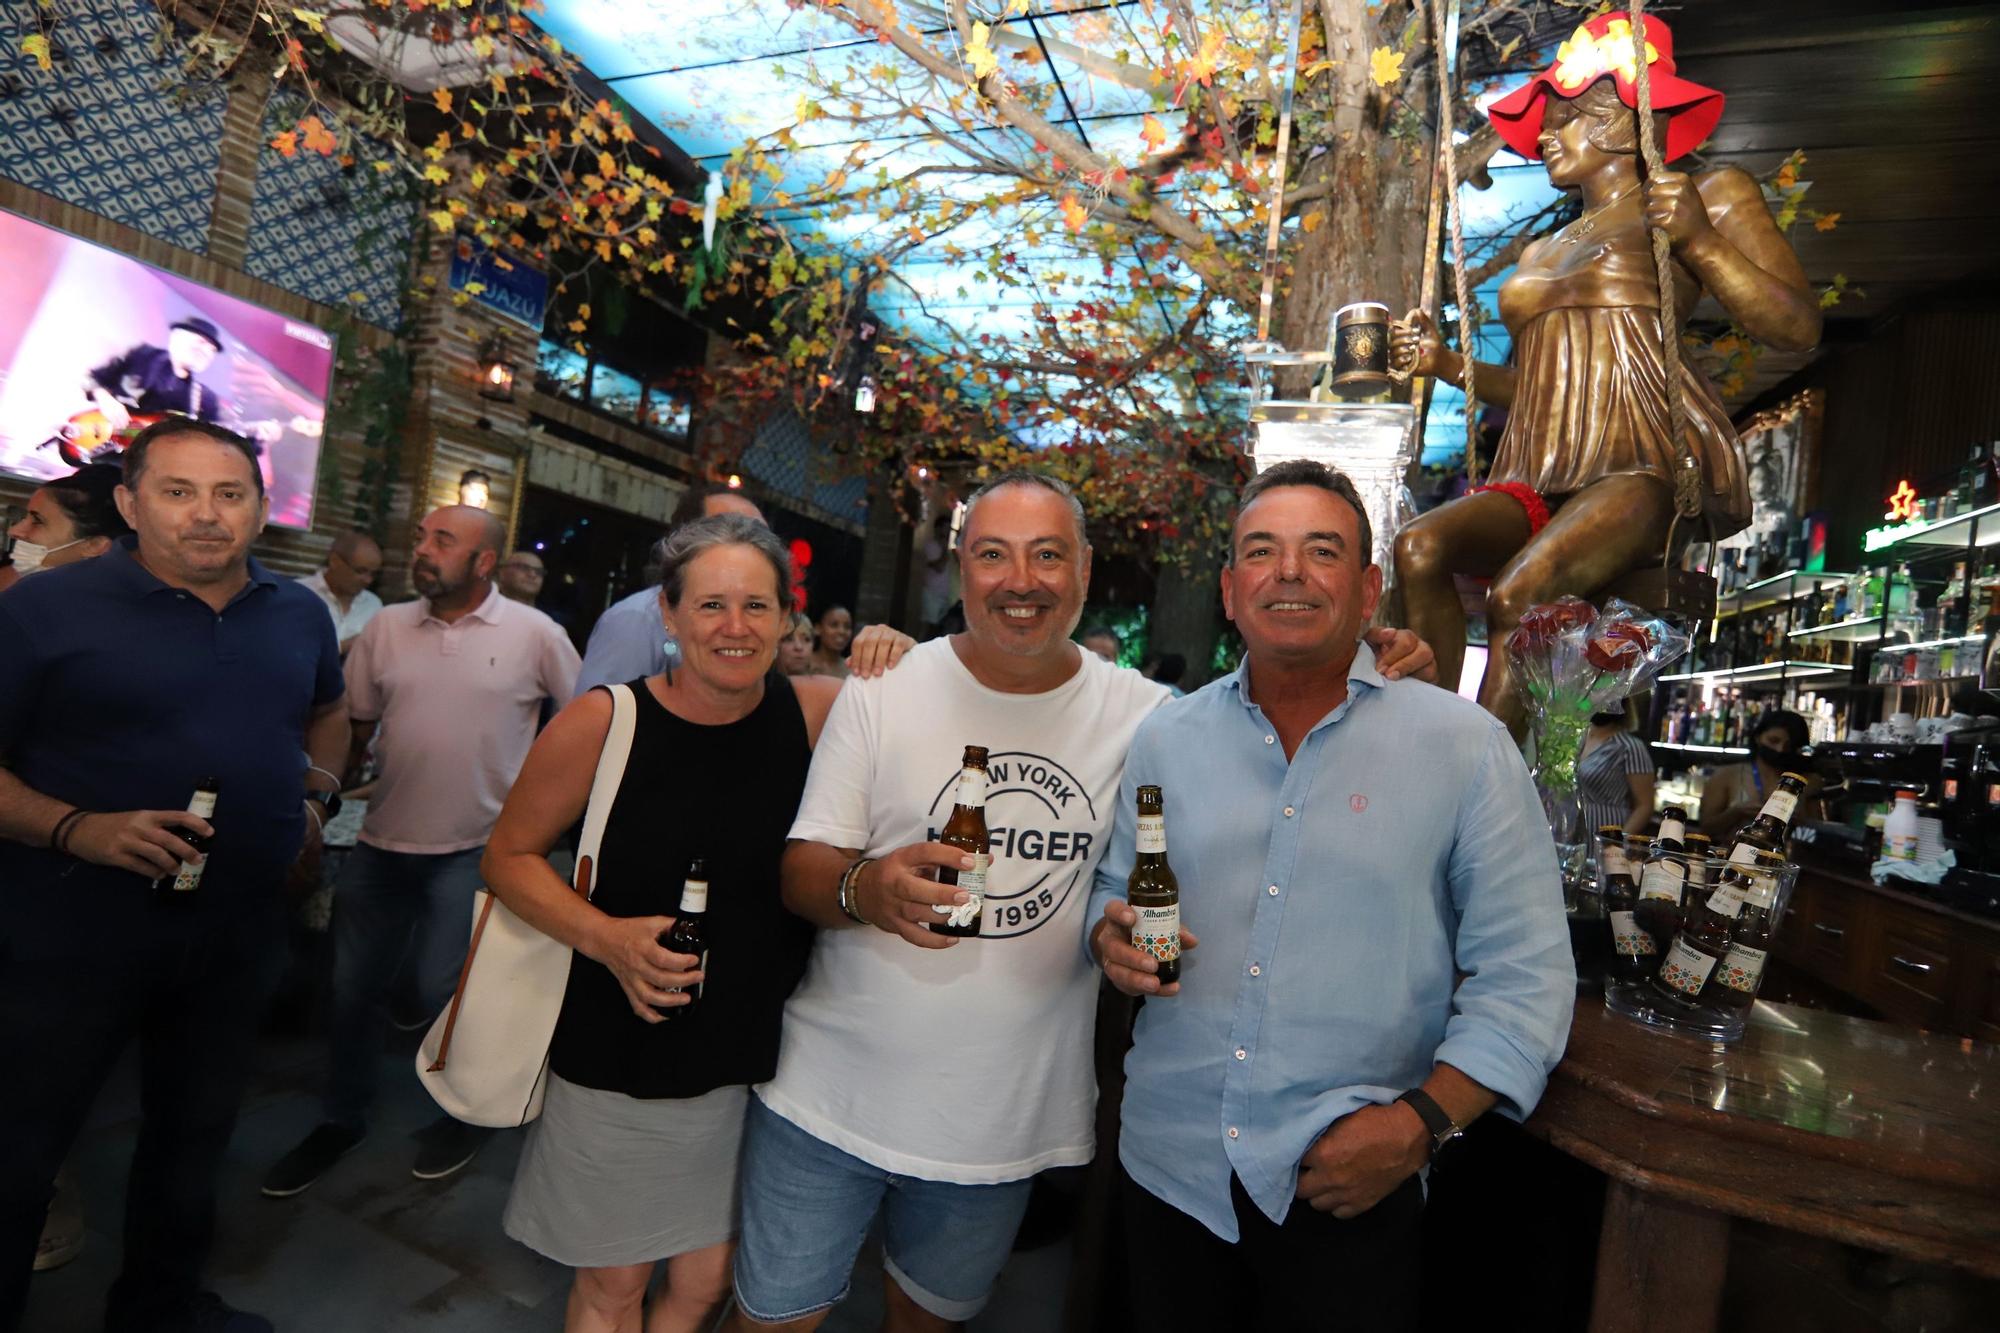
x=715 y=74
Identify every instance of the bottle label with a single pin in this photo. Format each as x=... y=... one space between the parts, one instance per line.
x=1158 y=931
x=1900 y=846
x=1613 y=862
x=972 y=788
x=1780 y=806
x=973 y=883
x=1742 y=968
x=188 y=877
x=1152 y=834
x=1743 y=854
x=203 y=804
x=1727 y=900
x=1663 y=880
x=1628 y=939
x=1686 y=968
x=694 y=897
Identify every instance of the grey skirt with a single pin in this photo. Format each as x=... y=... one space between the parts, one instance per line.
x=608 y=1180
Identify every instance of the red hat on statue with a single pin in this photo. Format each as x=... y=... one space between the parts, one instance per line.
x=1597 y=48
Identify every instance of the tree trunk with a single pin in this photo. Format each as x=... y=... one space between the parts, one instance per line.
x=1367 y=246
x=1187 y=613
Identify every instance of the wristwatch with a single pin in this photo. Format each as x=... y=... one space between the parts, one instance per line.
x=329 y=803
x=1443 y=1132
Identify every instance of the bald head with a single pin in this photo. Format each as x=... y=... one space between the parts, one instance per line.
x=456 y=550
x=352 y=564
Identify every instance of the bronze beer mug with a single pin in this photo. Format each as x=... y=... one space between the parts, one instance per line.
x=1360 y=351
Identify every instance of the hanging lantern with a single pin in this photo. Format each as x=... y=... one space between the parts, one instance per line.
x=496 y=370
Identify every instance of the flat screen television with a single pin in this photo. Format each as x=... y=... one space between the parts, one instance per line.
x=94 y=345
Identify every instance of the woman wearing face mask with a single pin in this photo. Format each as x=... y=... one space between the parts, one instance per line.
x=1614 y=774
x=1736 y=792
x=70 y=519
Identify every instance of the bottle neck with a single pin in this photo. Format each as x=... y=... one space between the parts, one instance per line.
x=971 y=789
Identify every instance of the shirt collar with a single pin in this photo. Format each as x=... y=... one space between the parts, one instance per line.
x=1361 y=671
x=123 y=561
x=489 y=610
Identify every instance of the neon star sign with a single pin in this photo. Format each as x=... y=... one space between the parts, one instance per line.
x=1902 y=504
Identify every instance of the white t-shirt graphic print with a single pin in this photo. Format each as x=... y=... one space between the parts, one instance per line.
x=969 y=1064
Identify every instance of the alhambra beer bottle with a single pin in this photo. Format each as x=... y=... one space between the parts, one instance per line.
x=1633 y=952
x=1664 y=879
x=1153 y=892
x=966 y=830
x=1736 y=978
x=181 y=885
x=689 y=933
x=1768 y=831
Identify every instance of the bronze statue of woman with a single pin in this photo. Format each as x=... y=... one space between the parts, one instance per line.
x=1580 y=492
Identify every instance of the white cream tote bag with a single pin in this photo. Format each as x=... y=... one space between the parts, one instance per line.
x=486 y=1059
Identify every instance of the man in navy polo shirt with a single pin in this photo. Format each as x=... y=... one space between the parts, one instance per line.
x=124 y=681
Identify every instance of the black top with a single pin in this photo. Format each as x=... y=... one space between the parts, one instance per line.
x=118 y=692
x=725 y=794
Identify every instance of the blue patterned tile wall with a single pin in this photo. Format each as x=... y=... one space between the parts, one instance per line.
x=335 y=234
x=105 y=130
x=783 y=459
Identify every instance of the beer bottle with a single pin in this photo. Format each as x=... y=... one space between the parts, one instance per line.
x=689 y=933
x=966 y=830
x=1664 y=878
x=1153 y=892
x=1767 y=832
x=181 y=886
x=1686 y=972
x=1633 y=952
x=1741 y=970
x=1699 y=851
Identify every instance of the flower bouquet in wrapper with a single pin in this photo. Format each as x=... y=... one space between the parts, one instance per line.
x=1570 y=660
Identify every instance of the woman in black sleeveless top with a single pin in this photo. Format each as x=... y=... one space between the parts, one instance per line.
x=634 y=1157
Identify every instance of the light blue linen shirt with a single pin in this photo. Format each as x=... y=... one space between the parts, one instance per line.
x=627 y=642
x=1338 y=899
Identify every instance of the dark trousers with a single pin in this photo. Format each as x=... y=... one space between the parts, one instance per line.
x=193 y=997
x=1314 y=1272
x=389 y=906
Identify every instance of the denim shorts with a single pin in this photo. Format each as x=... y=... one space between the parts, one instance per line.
x=807 y=1207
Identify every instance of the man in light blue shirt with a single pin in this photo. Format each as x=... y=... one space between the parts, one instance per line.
x=1383 y=955
x=630 y=640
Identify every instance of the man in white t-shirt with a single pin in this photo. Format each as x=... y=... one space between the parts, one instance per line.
x=345 y=585
x=926 y=1076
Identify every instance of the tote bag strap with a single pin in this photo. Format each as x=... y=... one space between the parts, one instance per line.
x=611 y=762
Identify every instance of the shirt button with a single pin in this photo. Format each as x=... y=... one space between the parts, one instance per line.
x=1242 y=1054
x=1288 y=812
x=1270 y=740
x=1274 y=890
x=1232 y=1131
x=1256 y=971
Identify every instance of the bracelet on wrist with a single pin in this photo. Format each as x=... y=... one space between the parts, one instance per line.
x=59 y=835
x=849 y=882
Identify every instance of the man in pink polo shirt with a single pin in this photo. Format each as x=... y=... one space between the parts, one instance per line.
x=456 y=682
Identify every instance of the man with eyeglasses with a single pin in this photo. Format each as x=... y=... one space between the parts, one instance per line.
x=521 y=576
x=345 y=585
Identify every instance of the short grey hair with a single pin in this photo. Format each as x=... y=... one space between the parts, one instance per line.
x=705 y=534
x=1021 y=476
x=1304 y=472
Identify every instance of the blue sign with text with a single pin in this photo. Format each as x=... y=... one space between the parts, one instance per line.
x=500 y=283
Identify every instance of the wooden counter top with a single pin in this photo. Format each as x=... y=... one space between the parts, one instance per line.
x=1870 y=1134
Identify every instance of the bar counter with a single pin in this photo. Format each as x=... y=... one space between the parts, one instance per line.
x=1865 y=1133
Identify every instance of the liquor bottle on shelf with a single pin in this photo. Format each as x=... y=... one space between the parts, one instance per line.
x=1952 y=603
x=1979 y=469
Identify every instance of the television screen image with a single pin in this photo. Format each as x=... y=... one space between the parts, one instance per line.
x=94 y=346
